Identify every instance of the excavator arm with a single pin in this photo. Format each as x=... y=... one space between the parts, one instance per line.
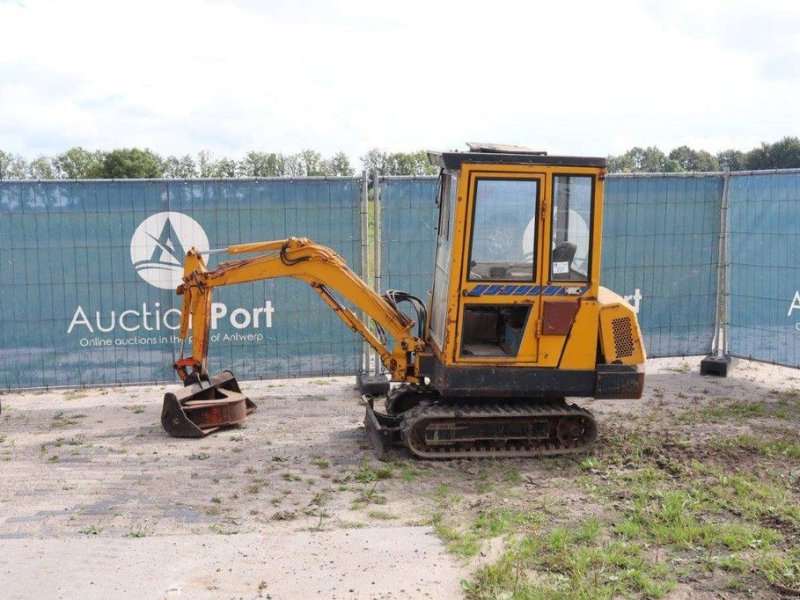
x=320 y=267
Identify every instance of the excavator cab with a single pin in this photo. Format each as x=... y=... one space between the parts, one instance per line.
x=516 y=321
x=516 y=303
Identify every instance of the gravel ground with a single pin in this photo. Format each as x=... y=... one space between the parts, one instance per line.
x=97 y=502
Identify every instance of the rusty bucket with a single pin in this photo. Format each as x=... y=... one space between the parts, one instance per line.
x=204 y=406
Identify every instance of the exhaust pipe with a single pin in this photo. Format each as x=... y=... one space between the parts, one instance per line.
x=204 y=406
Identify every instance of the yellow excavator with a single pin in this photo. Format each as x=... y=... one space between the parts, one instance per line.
x=516 y=320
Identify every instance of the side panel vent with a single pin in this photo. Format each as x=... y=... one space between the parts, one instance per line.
x=623 y=337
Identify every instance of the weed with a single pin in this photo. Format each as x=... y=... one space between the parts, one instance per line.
x=322 y=464
x=367 y=474
x=199 y=456
x=236 y=438
x=319 y=499
x=249 y=471
x=291 y=477
x=90 y=530
x=497 y=522
x=279 y=459
x=225 y=528
x=381 y=515
x=781 y=570
x=136 y=533
x=284 y=515
x=216 y=500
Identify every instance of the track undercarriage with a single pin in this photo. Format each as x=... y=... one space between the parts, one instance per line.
x=432 y=427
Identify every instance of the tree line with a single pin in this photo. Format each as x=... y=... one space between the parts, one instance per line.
x=138 y=163
x=127 y=163
x=783 y=154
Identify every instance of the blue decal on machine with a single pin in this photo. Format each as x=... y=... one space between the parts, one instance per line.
x=526 y=290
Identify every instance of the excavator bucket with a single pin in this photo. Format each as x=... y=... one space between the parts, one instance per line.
x=204 y=406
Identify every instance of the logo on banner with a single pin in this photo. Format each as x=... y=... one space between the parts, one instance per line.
x=159 y=245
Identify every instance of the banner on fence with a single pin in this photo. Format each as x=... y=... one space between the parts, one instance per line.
x=90 y=271
x=763 y=279
x=661 y=252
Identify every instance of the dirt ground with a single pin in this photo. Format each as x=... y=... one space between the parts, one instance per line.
x=696 y=487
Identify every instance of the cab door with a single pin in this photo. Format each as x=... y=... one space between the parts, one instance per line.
x=501 y=274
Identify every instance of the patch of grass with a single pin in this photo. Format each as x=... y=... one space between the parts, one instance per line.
x=136 y=533
x=457 y=541
x=319 y=499
x=225 y=528
x=771 y=448
x=369 y=474
x=135 y=408
x=500 y=521
x=782 y=570
x=322 y=464
x=581 y=562
x=236 y=438
x=284 y=515
x=370 y=496
x=381 y=515
x=199 y=456
x=684 y=367
x=89 y=530
x=737 y=409
x=291 y=477
x=408 y=472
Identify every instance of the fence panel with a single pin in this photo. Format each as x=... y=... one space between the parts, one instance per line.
x=90 y=268
x=661 y=251
x=764 y=280
x=408 y=221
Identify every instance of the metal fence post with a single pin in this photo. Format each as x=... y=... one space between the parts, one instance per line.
x=718 y=362
x=365 y=347
x=376 y=213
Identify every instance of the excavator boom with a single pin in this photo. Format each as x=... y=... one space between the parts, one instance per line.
x=206 y=405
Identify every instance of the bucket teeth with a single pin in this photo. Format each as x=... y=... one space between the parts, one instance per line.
x=204 y=406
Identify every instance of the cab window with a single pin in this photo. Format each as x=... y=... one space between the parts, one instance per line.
x=571 y=228
x=503 y=240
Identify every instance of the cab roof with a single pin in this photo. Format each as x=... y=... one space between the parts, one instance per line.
x=508 y=155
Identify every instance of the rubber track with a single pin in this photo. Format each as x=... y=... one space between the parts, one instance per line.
x=414 y=421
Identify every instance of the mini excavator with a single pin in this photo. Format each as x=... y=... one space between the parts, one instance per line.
x=516 y=321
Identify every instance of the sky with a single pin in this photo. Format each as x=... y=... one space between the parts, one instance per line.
x=230 y=76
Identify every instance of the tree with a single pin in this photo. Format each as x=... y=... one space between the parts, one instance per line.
x=12 y=166
x=339 y=165
x=620 y=164
x=78 y=163
x=209 y=167
x=375 y=160
x=260 y=164
x=312 y=163
x=41 y=167
x=293 y=166
x=132 y=163
x=732 y=160
x=398 y=163
x=784 y=154
x=693 y=160
x=180 y=168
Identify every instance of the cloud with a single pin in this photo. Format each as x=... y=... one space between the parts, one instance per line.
x=237 y=75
